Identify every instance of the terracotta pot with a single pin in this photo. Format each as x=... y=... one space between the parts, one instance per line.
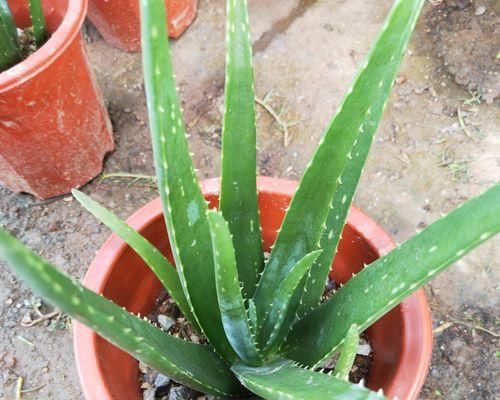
x=401 y=340
x=54 y=128
x=118 y=21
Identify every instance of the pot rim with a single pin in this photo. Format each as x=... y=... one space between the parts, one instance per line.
x=51 y=50
x=415 y=310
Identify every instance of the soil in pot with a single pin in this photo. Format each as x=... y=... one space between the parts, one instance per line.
x=364 y=357
x=27 y=43
x=167 y=315
x=362 y=363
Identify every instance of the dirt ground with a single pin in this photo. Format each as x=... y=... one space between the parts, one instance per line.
x=438 y=145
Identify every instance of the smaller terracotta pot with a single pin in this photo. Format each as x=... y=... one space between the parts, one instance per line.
x=118 y=21
x=54 y=128
x=401 y=340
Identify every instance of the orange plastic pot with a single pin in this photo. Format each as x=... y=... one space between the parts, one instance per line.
x=54 y=128
x=401 y=340
x=118 y=21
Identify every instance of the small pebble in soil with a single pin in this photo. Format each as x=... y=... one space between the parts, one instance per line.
x=364 y=349
x=156 y=385
x=27 y=42
x=329 y=290
x=180 y=393
x=161 y=384
x=149 y=378
x=161 y=380
x=165 y=321
x=480 y=10
x=163 y=392
x=149 y=394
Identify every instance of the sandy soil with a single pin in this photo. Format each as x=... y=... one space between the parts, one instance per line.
x=424 y=161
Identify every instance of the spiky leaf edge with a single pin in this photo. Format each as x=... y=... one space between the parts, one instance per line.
x=358 y=114
x=196 y=366
x=383 y=284
x=238 y=196
x=229 y=292
x=275 y=327
x=156 y=261
x=183 y=203
x=284 y=380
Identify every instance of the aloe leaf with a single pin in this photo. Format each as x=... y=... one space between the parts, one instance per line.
x=387 y=281
x=183 y=203
x=160 y=266
x=10 y=52
x=358 y=114
x=197 y=366
x=229 y=293
x=252 y=316
x=38 y=21
x=284 y=380
x=348 y=354
x=238 y=196
x=335 y=221
x=275 y=327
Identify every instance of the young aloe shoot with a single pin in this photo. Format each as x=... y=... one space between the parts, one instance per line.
x=266 y=329
x=38 y=22
x=12 y=49
x=348 y=354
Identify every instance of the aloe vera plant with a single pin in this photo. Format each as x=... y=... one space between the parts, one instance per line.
x=266 y=329
x=11 y=49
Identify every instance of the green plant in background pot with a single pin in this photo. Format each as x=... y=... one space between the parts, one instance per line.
x=16 y=44
x=266 y=327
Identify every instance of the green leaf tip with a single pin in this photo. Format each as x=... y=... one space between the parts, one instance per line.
x=382 y=285
x=253 y=320
x=183 y=204
x=238 y=197
x=38 y=21
x=277 y=325
x=359 y=114
x=231 y=302
x=348 y=354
